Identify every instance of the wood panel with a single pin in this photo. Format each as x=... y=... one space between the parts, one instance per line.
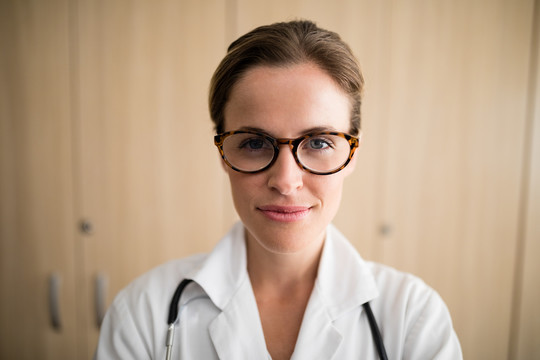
x=150 y=181
x=436 y=192
x=454 y=157
x=36 y=193
x=526 y=326
x=437 y=189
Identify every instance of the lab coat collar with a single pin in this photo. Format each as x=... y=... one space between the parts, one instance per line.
x=225 y=268
x=344 y=282
x=237 y=331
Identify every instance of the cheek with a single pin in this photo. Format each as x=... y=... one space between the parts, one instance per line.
x=243 y=188
x=235 y=182
x=329 y=192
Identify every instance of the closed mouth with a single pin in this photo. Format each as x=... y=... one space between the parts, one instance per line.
x=285 y=213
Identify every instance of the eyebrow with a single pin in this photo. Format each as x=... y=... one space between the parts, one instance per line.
x=315 y=129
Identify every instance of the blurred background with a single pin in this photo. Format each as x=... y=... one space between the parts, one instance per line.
x=107 y=165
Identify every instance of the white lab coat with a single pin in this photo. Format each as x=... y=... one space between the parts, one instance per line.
x=219 y=317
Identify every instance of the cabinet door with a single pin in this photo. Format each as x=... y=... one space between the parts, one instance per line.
x=437 y=188
x=36 y=194
x=150 y=180
x=526 y=321
x=452 y=156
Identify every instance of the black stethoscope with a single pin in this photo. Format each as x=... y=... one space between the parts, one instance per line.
x=173 y=315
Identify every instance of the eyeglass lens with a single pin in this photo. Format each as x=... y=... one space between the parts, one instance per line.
x=252 y=152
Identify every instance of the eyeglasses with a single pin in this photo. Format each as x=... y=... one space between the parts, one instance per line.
x=321 y=153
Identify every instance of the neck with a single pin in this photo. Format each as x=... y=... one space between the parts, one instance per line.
x=282 y=273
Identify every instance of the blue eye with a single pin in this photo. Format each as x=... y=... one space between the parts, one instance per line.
x=255 y=144
x=319 y=143
x=252 y=144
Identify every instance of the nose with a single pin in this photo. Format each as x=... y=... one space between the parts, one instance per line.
x=285 y=176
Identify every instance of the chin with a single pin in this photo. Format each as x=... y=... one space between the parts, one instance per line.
x=286 y=238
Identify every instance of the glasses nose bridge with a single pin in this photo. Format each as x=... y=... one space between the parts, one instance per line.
x=290 y=142
x=285 y=141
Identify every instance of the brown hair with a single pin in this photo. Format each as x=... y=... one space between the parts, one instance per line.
x=282 y=44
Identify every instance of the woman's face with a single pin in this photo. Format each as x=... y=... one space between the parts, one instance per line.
x=285 y=209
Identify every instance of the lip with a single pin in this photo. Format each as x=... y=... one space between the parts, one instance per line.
x=284 y=213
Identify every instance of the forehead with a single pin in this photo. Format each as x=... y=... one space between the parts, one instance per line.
x=287 y=101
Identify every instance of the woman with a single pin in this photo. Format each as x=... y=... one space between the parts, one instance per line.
x=283 y=283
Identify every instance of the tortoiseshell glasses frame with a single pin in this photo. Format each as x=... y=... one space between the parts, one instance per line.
x=293 y=144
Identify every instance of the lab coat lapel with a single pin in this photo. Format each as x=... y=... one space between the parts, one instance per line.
x=344 y=280
x=344 y=283
x=318 y=338
x=237 y=332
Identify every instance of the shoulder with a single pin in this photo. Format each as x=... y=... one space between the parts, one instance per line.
x=392 y=282
x=138 y=314
x=155 y=288
x=413 y=314
x=402 y=294
x=171 y=272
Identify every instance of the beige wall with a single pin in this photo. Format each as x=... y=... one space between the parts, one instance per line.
x=102 y=104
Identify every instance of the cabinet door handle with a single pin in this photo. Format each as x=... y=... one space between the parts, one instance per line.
x=100 y=298
x=54 y=301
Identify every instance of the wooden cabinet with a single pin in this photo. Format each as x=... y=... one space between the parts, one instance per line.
x=37 y=217
x=148 y=177
x=103 y=121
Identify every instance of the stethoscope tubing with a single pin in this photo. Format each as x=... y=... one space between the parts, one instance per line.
x=377 y=337
x=173 y=316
